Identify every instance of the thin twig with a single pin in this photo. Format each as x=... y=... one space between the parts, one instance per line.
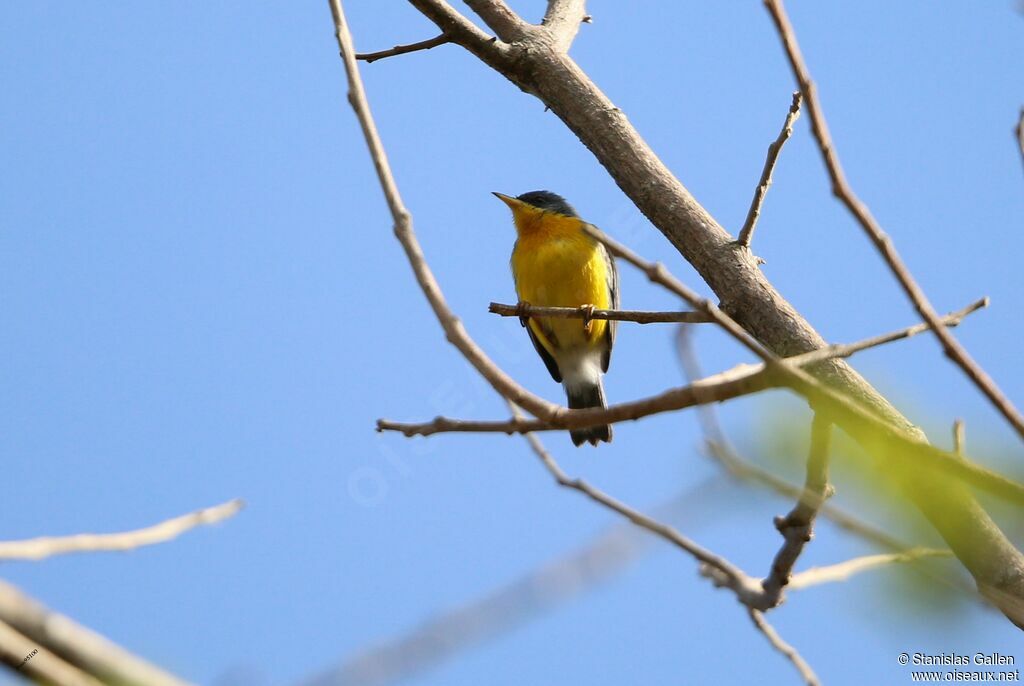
x=83 y=648
x=842 y=190
x=797 y=527
x=453 y=329
x=370 y=57
x=844 y=570
x=724 y=572
x=523 y=310
x=747 y=232
x=788 y=651
x=47 y=546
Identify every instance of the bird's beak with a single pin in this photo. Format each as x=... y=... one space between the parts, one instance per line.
x=507 y=199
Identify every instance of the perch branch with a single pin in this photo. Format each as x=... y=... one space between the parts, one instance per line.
x=842 y=190
x=747 y=232
x=523 y=310
x=39 y=548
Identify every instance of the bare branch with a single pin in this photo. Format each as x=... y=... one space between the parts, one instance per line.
x=454 y=331
x=844 y=570
x=461 y=30
x=523 y=310
x=47 y=546
x=563 y=20
x=797 y=527
x=737 y=381
x=370 y=57
x=25 y=656
x=747 y=232
x=788 y=651
x=843 y=350
x=720 y=448
x=500 y=17
x=83 y=648
x=723 y=572
x=841 y=189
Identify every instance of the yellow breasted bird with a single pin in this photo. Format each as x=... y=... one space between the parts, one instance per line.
x=556 y=264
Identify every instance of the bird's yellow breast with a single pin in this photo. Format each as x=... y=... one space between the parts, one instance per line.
x=555 y=264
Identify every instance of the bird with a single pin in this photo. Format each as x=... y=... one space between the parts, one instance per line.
x=556 y=264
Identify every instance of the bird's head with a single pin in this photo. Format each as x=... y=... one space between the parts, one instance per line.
x=530 y=208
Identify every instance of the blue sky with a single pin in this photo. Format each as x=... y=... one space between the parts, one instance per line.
x=202 y=299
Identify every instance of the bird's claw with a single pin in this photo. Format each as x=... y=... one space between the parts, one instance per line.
x=523 y=311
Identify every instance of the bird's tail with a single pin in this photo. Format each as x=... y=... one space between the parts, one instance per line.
x=582 y=395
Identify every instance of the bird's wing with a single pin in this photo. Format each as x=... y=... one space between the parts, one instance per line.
x=613 y=291
x=549 y=360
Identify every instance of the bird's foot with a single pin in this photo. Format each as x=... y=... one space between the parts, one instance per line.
x=523 y=311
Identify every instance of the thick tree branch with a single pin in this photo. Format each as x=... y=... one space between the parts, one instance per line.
x=370 y=57
x=842 y=190
x=501 y=19
x=563 y=19
x=39 y=548
x=524 y=310
x=83 y=648
x=747 y=232
x=797 y=528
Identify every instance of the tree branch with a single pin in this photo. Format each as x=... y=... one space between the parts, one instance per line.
x=500 y=18
x=720 y=570
x=563 y=19
x=47 y=546
x=83 y=648
x=371 y=57
x=456 y=26
x=523 y=310
x=844 y=570
x=26 y=658
x=747 y=232
x=841 y=189
x=797 y=528
x=788 y=651
x=740 y=380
